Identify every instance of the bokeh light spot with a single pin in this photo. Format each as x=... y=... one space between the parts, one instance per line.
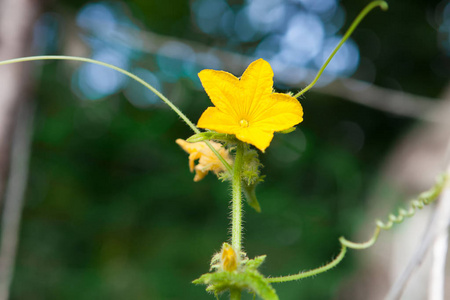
x=344 y=62
x=319 y=6
x=303 y=39
x=139 y=95
x=98 y=17
x=175 y=60
x=266 y=15
x=244 y=29
x=94 y=82
x=208 y=14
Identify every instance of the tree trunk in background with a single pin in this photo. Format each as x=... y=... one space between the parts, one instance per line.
x=17 y=18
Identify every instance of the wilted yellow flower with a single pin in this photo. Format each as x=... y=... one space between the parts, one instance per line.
x=207 y=160
x=247 y=107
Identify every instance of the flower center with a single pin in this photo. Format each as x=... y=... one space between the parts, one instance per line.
x=244 y=123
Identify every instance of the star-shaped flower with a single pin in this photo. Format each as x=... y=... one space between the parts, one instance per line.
x=248 y=107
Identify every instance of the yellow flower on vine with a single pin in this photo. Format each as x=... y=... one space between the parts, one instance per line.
x=248 y=107
x=226 y=259
x=207 y=160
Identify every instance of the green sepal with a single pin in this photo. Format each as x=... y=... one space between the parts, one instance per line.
x=249 y=279
x=250 y=195
x=289 y=130
x=209 y=135
x=251 y=177
x=251 y=167
x=253 y=264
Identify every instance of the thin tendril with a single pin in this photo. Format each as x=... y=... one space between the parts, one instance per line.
x=423 y=199
x=382 y=4
x=312 y=272
x=132 y=76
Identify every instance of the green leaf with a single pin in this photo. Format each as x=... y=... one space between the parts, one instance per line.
x=245 y=278
x=250 y=280
x=253 y=264
x=209 y=135
x=250 y=195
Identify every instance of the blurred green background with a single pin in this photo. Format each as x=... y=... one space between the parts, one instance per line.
x=111 y=209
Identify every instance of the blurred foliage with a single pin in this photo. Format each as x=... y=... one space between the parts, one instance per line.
x=112 y=211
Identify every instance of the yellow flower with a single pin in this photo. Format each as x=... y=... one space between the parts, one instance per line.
x=247 y=107
x=228 y=258
x=208 y=161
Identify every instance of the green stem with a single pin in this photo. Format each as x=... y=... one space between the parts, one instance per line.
x=132 y=76
x=312 y=272
x=236 y=206
x=364 y=245
x=352 y=28
x=235 y=294
x=93 y=61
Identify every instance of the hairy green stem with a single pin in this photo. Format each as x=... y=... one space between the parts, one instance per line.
x=382 y=4
x=132 y=76
x=312 y=272
x=359 y=246
x=236 y=206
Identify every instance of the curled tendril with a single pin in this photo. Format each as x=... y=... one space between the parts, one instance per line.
x=420 y=202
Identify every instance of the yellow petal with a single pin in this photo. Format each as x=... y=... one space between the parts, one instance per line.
x=222 y=88
x=257 y=82
x=280 y=112
x=247 y=107
x=259 y=138
x=192 y=158
x=188 y=147
x=214 y=119
x=208 y=161
x=199 y=175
